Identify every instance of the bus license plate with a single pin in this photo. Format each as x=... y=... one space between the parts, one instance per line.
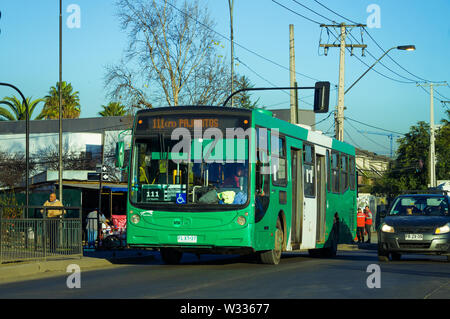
x=187 y=239
x=413 y=236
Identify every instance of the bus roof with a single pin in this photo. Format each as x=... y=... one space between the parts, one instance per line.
x=261 y=117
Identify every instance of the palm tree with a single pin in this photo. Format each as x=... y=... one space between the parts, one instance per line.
x=113 y=109
x=18 y=109
x=70 y=102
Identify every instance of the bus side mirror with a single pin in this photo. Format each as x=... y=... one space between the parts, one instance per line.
x=321 y=97
x=120 y=154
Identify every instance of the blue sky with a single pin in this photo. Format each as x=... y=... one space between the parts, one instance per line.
x=29 y=55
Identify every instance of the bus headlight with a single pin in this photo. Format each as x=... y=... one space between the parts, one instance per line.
x=443 y=230
x=135 y=219
x=241 y=220
x=387 y=229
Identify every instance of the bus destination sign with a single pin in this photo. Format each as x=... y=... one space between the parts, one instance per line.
x=171 y=122
x=161 y=123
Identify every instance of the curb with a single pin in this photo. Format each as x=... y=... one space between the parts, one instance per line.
x=16 y=272
x=354 y=247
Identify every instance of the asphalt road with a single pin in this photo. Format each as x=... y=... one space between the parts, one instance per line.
x=230 y=277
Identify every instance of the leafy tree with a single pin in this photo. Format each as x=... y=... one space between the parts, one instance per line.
x=18 y=109
x=443 y=150
x=113 y=109
x=410 y=169
x=11 y=207
x=70 y=102
x=243 y=99
x=171 y=55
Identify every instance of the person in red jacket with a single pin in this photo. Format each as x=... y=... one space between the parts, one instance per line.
x=369 y=218
x=360 y=225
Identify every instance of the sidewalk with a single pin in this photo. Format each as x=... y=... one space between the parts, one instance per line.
x=373 y=245
x=90 y=260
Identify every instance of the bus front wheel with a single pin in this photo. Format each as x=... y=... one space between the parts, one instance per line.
x=170 y=256
x=273 y=256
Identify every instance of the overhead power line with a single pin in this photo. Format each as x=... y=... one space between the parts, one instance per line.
x=372 y=126
x=410 y=81
x=376 y=43
x=376 y=71
x=294 y=12
x=239 y=45
x=366 y=137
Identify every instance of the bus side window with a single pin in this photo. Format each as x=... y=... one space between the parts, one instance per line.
x=309 y=170
x=352 y=172
x=335 y=172
x=344 y=174
x=328 y=172
x=262 y=197
x=279 y=161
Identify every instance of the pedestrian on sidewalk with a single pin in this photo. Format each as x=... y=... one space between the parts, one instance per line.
x=53 y=220
x=360 y=225
x=92 y=221
x=369 y=219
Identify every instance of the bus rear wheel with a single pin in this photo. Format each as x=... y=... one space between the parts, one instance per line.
x=272 y=257
x=170 y=256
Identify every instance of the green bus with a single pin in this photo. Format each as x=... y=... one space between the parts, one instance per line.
x=220 y=180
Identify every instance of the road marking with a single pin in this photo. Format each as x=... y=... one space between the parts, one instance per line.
x=434 y=291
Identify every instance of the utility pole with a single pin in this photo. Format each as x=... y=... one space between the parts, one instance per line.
x=60 y=177
x=432 y=168
x=339 y=117
x=293 y=82
x=231 y=4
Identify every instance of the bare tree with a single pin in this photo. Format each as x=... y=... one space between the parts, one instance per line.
x=13 y=169
x=171 y=56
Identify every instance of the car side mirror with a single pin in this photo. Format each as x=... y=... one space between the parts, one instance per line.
x=120 y=154
x=383 y=214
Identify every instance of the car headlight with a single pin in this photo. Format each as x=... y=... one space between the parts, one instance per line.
x=135 y=219
x=443 y=230
x=387 y=229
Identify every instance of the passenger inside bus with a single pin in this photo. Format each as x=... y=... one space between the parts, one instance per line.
x=236 y=178
x=142 y=170
x=262 y=192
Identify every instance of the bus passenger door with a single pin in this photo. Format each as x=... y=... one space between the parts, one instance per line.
x=309 y=220
x=297 y=198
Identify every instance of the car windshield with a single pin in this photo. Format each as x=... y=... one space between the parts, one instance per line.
x=420 y=206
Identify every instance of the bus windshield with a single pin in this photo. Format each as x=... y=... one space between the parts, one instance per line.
x=200 y=173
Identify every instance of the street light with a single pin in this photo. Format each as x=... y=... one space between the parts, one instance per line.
x=400 y=47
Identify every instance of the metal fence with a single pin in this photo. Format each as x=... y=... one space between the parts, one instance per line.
x=23 y=238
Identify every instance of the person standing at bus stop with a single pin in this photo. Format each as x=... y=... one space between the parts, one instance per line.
x=53 y=215
x=360 y=225
x=93 y=219
x=369 y=218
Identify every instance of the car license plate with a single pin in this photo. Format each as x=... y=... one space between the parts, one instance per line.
x=414 y=237
x=187 y=239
